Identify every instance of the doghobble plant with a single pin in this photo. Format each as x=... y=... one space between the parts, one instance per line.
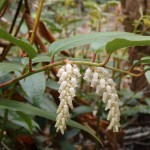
x=96 y=74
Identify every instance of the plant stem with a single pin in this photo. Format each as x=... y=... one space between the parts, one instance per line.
x=16 y=15
x=15 y=35
x=4 y=5
x=36 y=21
x=98 y=125
x=93 y=58
x=4 y=123
x=5 y=119
x=49 y=66
x=35 y=28
x=6 y=50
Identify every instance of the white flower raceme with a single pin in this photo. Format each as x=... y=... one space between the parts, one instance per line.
x=68 y=75
x=101 y=80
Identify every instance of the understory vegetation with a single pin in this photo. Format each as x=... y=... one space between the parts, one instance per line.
x=74 y=75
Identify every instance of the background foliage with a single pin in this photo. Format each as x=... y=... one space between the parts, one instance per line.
x=28 y=105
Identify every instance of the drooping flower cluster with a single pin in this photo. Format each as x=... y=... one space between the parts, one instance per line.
x=68 y=75
x=101 y=79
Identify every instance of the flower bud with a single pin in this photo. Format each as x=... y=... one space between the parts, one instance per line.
x=113 y=97
x=72 y=91
x=102 y=83
x=105 y=97
x=87 y=74
x=108 y=89
x=61 y=129
x=63 y=76
x=112 y=110
x=74 y=82
x=111 y=123
x=63 y=121
x=59 y=116
x=98 y=89
x=111 y=82
x=69 y=99
x=108 y=106
x=100 y=69
x=93 y=83
x=68 y=68
x=63 y=85
x=115 y=128
x=106 y=74
x=95 y=76
x=62 y=94
x=76 y=72
x=61 y=70
x=116 y=97
x=66 y=109
x=117 y=118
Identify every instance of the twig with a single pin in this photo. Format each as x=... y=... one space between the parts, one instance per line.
x=4 y=123
x=33 y=72
x=98 y=124
x=6 y=50
x=52 y=60
x=106 y=60
x=4 y=145
x=94 y=57
x=15 y=35
x=35 y=28
x=5 y=8
x=16 y=15
x=36 y=21
x=49 y=66
x=5 y=118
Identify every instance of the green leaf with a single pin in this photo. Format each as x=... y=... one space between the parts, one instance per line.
x=27 y=119
x=147 y=73
x=48 y=104
x=81 y=110
x=22 y=44
x=75 y=41
x=6 y=68
x=37 y=59
x=52 y=84
x=147 y=100
x=66 y=145
x=127 y=40
x=2 y=4
x=20 y=119
x=34 y=111
x=111 y=41
x=71 y=133
x=34 y=87
x=144 y=60
x=71 y=22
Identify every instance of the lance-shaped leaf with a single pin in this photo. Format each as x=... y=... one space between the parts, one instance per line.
x=111 y=41
x=34 y=111
x=6 y=68
x=144 y=60
x=20 y=43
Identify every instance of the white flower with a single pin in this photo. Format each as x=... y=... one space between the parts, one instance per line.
x=76 y=72
x=88 y=75
x=68 y=82
x=100 y=79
